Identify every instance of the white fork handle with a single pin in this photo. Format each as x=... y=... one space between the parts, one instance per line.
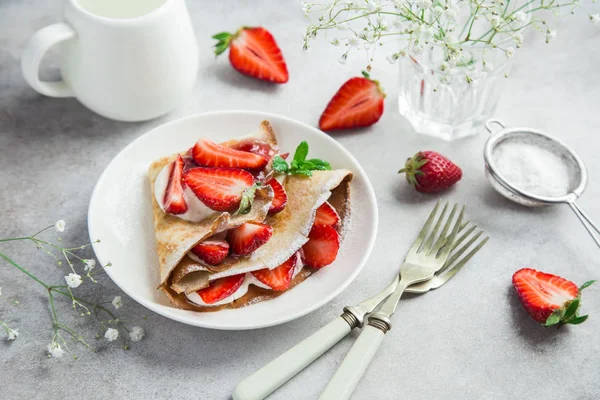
x=270 y=377
x=346 y=378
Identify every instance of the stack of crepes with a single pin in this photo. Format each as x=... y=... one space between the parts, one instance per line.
x=175 y=237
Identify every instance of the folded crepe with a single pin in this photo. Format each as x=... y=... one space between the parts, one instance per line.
x=290 y=230
x=175 y=237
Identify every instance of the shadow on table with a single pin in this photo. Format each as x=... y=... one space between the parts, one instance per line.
x=225 y=73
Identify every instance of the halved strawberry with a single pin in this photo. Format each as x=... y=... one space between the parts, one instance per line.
x=278 y=278
x=210 y=154
x=279 y=199
x=322 y=246
x=254 y=52
x=255 y=146
x=359 y=102
x=211 y=251
x=248 y=237
x=220 y=189
x=221 y=288
x=174 y=201
x=548 y=298
x=326 y=215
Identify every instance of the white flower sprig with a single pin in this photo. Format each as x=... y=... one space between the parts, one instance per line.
x=58 y=346
x=454 y=27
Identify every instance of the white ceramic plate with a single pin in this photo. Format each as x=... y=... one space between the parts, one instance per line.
x=120 y=215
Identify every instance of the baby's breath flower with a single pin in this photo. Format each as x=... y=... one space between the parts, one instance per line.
x=89 y=264
x=59 y=226
x=595 y=18
x=117 y=303
x=11 y=334
x=55 y=351
x=550 y=34
x=342 y=60
x=518 y=39
x=111 y=334
x=495 y=20
x=444 y=66
x=372 y=6
x=488 y=67
x=73 y=280
x=353 y=42
x=305 y=8
x=137 y=333
x=342 y=26
x=520 y=17
x=510 y=52
x=424 y=4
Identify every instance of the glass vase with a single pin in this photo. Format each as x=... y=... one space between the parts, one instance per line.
x=450 y=102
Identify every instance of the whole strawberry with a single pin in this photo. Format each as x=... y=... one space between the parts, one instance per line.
x=431 y=172
x=548 y=298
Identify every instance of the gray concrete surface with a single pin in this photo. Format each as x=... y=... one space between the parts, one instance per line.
x=469 y=340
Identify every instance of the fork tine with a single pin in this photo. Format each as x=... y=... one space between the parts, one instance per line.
x=436 y=228
x=454 y=256
x=453 y=270
x=445 y=251
x=421 y=236
x=429 y=249
x=464 y=235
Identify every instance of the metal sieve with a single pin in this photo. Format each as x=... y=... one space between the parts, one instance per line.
x=571 y=165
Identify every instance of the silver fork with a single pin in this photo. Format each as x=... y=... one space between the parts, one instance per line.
x=270 y=377
x=428 y=254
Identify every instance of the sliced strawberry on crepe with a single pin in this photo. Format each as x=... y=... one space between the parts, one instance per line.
x=326 y=215
x=174 y=200
x=322 y=246
x=211 y=251
x=255 y=146
x=278 y=278
x=248 y=237
x=359 y=102
x=220 y=189
x=220 y=289
x=279 y=199
x=254 y=52
x=210 y=154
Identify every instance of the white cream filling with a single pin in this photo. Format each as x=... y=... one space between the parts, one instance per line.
x=249 y=279
x=197 y=211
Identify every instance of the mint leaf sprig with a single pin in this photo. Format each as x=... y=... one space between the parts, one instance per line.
x=300 y=165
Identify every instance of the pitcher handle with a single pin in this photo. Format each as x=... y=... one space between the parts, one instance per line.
x=35 y=49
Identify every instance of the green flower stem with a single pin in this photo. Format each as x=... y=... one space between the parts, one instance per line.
x=14 y=264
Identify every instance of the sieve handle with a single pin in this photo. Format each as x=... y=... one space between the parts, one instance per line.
x=489 y=122
x=589 y=225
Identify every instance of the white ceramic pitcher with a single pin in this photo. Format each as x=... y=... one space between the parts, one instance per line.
x=129 y=60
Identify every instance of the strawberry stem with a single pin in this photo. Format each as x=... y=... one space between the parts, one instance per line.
x=412 y=168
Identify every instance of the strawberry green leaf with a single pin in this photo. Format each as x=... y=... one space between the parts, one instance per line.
x=554 y=318
x=571 y=310
x=301 y=152
x=578 y=320
x=280 y=165
x=366 y=74
x=248 y=199
x=587 y=284
x=221 y=36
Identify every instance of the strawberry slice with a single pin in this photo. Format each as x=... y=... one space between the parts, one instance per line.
x=326 y=215
x=322 y=246
x=548 y=298
x=278 y=278
x=255 y=146
x=279 y=199
x=220 y=189
x=220 y=289
x=359 y=102
x=174 y=200
x=210 y=154
x=248 y=237
x=254 y=52
x=211 y=251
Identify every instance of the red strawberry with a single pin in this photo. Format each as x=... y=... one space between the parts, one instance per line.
x=431 y=172
x=279 y=199
x=359 y=102
x=322 y=246
x=254 y=52
x=211 y=251
x=278 y=278
x=548 y=298
x=248 y=237
x=220 y=189
x=221 y=288
x=174 y=201
x=326 y=215
x=211 y=154
x=256 y=147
